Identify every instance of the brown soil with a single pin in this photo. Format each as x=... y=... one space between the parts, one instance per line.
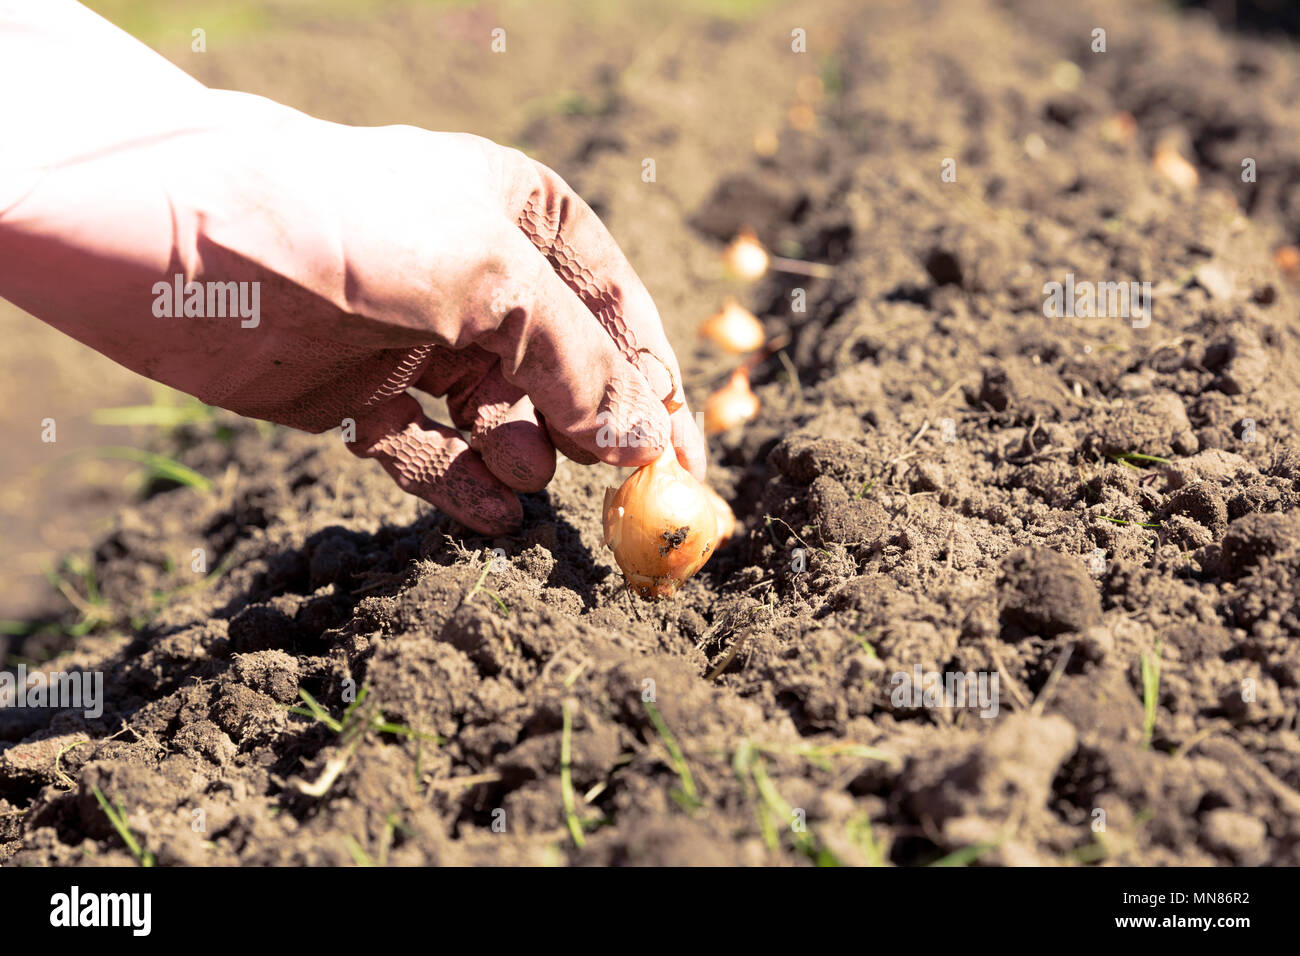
x=752 y=720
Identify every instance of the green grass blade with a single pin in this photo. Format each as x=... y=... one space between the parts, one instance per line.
x=117 y=817
x=159 y=416
x=1150 y=693
x=566 y=778
x=158 y=465
x=675 y=752
x=965 y=856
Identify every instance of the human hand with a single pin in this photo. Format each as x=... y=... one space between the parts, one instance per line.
x=471 y=272
x=377 y=260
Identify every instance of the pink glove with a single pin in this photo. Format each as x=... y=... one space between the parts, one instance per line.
x=369 y=261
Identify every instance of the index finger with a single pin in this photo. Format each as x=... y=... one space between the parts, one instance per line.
x=585 y=256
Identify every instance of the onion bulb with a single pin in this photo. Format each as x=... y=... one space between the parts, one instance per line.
x=1287 y=258
x=802 y=117
x=734 y=328
x=1120 y=128
x=1169 y=162
x=733 y=404
x=663 y=525
x=746 y=256
x=746 y=259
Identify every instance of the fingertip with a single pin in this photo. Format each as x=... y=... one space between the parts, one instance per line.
x=435 y=464
x=493 y=514
x=474 y=496
x=639 y=442
x=631 y=456
x=692 y=451
x=570 y=449
x=518 y=453
x=698 y=469
x=511 y=438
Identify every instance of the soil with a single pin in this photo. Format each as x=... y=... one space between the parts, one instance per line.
x=1102 y=512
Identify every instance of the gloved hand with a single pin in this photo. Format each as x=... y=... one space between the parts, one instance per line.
x=379 y=259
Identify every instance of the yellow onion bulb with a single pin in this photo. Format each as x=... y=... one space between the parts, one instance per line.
x=662 y=525
x=1287 y=258
x=733 y=404
x=746 y=257
x=1170 y=163
x=734 y=328
x=1119 y=128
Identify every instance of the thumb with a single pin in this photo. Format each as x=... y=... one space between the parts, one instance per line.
x=434 y=463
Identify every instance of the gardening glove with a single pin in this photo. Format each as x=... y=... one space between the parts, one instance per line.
x=310 y=274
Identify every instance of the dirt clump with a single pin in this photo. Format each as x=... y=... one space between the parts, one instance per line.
x=1097 y=517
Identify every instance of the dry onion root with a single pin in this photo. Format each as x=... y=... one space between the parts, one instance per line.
x=733 y=404
x=746 y=258
x=663 y=525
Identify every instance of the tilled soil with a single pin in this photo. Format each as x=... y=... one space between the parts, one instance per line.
x=1101 y=514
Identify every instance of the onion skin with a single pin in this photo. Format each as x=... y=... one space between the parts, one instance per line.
x=662 y=526
x=734 y=328
x=733 y=404
x=726 y=517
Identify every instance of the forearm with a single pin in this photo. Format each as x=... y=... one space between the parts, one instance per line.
x=75 y=85
x=118 y=172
